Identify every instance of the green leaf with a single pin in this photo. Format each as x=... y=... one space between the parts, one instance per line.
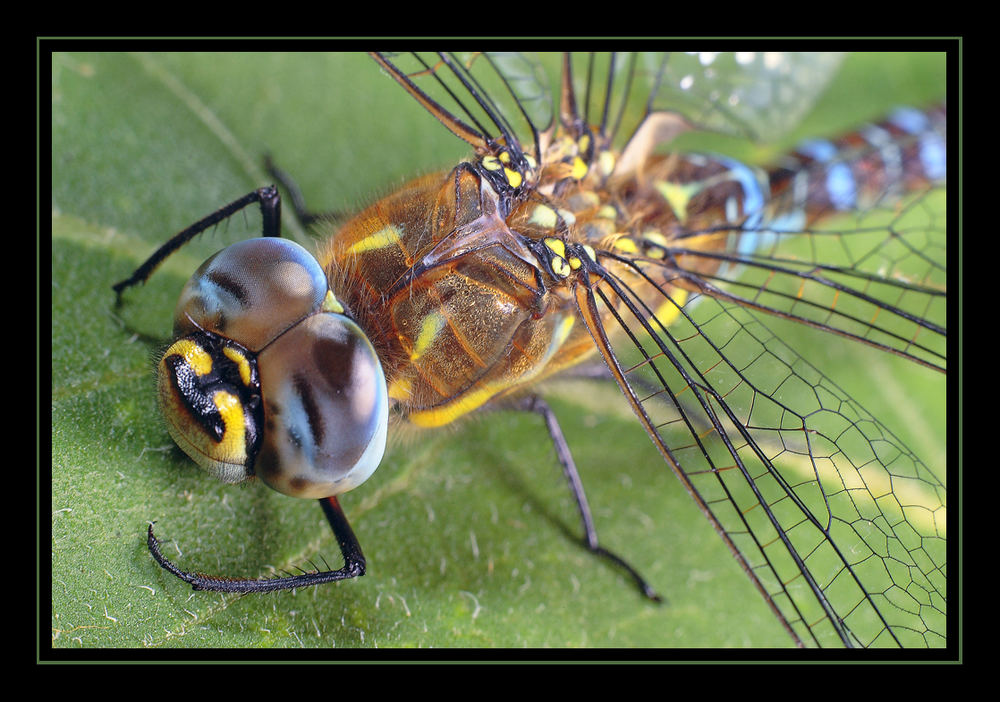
x=471 y=535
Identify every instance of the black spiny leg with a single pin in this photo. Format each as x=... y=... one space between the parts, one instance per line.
x=302 y=212
x=533 y=403
x=270 y=210
x=354 y=562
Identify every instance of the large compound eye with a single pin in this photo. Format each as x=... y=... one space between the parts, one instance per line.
x=269 y=379
x=210 y=398
x=251 y=291
x=326 y=408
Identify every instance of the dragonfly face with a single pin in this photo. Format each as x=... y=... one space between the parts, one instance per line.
x=269 y=378
x=667 y=306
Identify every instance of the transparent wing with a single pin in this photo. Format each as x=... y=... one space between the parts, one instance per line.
x=498 y=97
x=505 y=98
x=758 y=95
x=836 y=521
x=876 y=276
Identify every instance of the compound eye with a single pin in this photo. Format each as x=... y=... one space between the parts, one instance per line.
x=209 y=396
x=326 y=408
x=252 y=291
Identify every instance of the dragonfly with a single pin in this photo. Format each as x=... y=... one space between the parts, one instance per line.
x=574 y=239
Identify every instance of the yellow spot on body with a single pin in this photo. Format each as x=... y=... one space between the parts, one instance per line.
x=241 y=363
x=429 y=329
x=678 y=196
x=450 y=411
x=331 y=303
x=532 y=163
x=670 y=309
x=556 y=246
x=513 y=177
x=583 y=143
x=579 y=169
x=474 y=399
x=608 y=212
x=654 y=237
x=590 y=252
x=567 y=216
x=387 y=236
x=560 y=267
x=559 y=336
x=606 y=162
x=193 y=354
x=562 y=333
x=400 y=389
x=544 y=216
x=626 y=245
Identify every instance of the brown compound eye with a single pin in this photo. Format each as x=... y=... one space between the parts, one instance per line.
x=252 y=292
x=209 y=393
x=326 y=408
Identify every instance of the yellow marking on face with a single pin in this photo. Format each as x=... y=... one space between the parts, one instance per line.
x=331 y=303
x=589 y=250
x=429 y=329
x=583 y=143
x=513 y=177
x=532 y=163
x=241 y=362
x=387 y=236
x=491 y=163
x=556 y=246
x=193 y=354
x=579 y=169
x=575 y=263
x=504 y=157
x=233 y=443
x=544 y=216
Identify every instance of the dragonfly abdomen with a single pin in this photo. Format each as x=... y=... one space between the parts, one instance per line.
x=900 y=154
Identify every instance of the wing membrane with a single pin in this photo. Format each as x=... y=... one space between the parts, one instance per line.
x=833 y=518
x=877 y=276
x=498 y=97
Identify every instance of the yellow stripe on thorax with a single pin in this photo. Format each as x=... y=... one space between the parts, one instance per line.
x=387 y=236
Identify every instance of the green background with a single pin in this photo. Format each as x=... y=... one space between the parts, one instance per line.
x=470 y=532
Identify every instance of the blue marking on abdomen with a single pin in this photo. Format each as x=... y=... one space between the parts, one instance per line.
x=933 y=153
x=840 y=185
x=753 y=203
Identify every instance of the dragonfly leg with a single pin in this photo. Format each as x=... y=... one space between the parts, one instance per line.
x=302 y=213
x=535 y=404
x=354 y=562
x=270 y=210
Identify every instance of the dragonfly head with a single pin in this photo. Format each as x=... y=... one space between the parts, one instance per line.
x=270 y=377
